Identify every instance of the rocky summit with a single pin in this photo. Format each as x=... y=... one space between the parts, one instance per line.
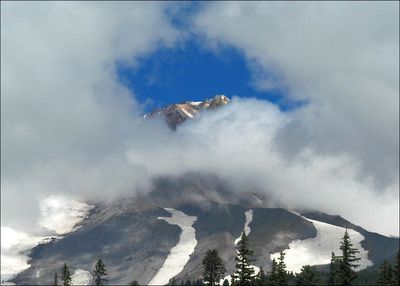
x=176 y=114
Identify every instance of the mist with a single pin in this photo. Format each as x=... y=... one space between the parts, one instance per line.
x=69 y=127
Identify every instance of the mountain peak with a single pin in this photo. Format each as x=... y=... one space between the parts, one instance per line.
x=176 y=114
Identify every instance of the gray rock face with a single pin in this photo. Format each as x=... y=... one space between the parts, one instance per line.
x=128 y=236
x=133 y=245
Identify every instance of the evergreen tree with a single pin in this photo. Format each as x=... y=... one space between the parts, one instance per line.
x=261 y=278
x=66 y=275
x=99 y=273
x=55 y=282
x=226 y=283
x=308 y=276
x=282 y=273
x=244 y=272
x=188 y=283
x=397 y=269
x=385 y=274
x=134 y=283
x=213 y=268
x=348 y=261
x=273 y=274
x=333 y=278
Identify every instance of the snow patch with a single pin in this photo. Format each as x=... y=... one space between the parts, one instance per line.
x=249 y=218
x=317 y=250
x=58 y=215
x=187 y=113
x=81 y=277
x=196 y=103
x=180 y=253
x=15 y=246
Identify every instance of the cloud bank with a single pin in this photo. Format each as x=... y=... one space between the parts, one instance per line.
x=69 y=127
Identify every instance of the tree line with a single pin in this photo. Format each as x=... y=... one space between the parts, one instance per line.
x=341 y=270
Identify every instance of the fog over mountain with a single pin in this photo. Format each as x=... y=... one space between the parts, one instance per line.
x=69 y=127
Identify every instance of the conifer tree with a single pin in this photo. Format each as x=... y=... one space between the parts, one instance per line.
x=213 y=268
x=273 y=274
x=66 y=275
x=307 y=276
x=99 y=273
x=282 y=273
x=397 y=269
x=134 y=283
x=333 y=270
x=226 y=283
x=385 y=274
x=55 y=282
x=348 y=261
x=261 y=278
x=244 y=272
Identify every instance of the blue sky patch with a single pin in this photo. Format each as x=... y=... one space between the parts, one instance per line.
x=192 y=73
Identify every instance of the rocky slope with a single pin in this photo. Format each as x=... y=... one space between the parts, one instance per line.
x=134 y=239
x=176 y=114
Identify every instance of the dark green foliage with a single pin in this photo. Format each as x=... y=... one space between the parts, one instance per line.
x=308 y=276
x=261 y=278
x=397 y=269
x=188 y=283
x=348 y=261
x=99 y=273
x=368 y=276
x=197 y=282
x=226 y=283
x=273 y=274
x=55 y=282
x=66 y=275
x=244 y=272
x=213 y=268
x=134 y=283
x=282 y=273
x=386 y=274
x=333 y=278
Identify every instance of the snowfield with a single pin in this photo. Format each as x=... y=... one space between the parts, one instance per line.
x=317 y=250
x=249 y=218
x=15 y=246
x=81 y=277
x=180 y=253
x=58 y=216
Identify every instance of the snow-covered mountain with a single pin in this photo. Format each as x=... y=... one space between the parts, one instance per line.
x=175 y=114
x=165 y=233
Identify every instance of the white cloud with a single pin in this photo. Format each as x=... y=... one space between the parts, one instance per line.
x=68 y=126
x=65 y=118
x=341 y=57
x=239 y=144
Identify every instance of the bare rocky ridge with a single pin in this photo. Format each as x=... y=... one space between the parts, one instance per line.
x=176 y=114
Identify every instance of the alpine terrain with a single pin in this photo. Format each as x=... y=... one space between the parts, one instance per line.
x=164 y=234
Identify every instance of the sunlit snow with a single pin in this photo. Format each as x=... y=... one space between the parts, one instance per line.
x=58 y=216
x=180 y=253
x=249 y=218
x=317 y=250
x=81 y=277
